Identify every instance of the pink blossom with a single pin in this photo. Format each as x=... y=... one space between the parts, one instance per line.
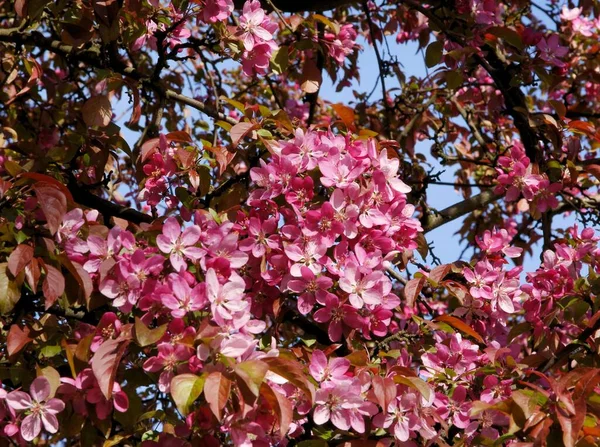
x=42 y=411
x=227 y=301
x=256 y=27
x=179 y=245
x=183 y=299
x=167 y=360
x=551 y=51
x=333 y=369
x=216 y=10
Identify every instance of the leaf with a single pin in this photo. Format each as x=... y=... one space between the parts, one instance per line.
x=53 y=377
x=145 y=336
x=414 y=382
x=10 y=292
x=216 y=392
x=252 y=373
x=223 y=157
x=433 y=54
x=179 y=136
x=19 y=258
x=594 y=170
x=43 y=178
x=460 y=325
x=438 y=274
x=385 y=391
x=239 y=131
x=105 y=363
x=292 y=371
x=17 y=339
x=508 y=34
x=311 y=78
x=346 y=114
x=36 y=73
x=280 y=60
x=412 y=290
x=281 y=405
x=81 y=275
x=53 y=204
x=185 y=389
x=53 y=285
x=97 y=111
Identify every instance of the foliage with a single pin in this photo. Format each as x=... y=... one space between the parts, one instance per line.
x=260 y=278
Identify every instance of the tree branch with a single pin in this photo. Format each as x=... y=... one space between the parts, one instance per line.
x=437 y=219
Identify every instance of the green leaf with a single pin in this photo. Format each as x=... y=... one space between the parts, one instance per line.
x=433 y=54
x=145 y=336
x=280 y=60
x=9 y=291
x=252 y=373
x=185 y=389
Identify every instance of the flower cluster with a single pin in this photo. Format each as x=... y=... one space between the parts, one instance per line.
x=516 y=178
x=256 y=32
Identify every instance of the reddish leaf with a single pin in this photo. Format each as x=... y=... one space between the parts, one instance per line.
x=19 y=258
x=281 y=405
x=17 y=339
x=311 y=78
x=81 y=275
x=582 y=127
x=412 y=290
x=36 y=73
x=49 y=180
x=439 y=273
x=216 y=392
x=223 y=157
x=239 y=131
x=32 y=274
x=180 y=136
x=53 y=285
x=292 y=371
x=252 y=373
x=385 y=391
x=97 y=111
x=105 y=363
x=148 y=148
x=594 y=170
x=346 y=114
x=460 y=325
x=53 y=204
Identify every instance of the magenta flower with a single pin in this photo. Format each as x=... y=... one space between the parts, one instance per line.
x=216 y=10
x=226 y=300
x=551 y=51
x=178 y=244
x=322 y=369
x=258 y=242
x=167 y=360
x=40 y=411
x=256 y=26
x=362 y=288
x=183 y=298
x=309 y=286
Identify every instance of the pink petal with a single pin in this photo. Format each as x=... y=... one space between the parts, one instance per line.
x=54 y=406
x=40 y=389
x=321 y=415
x=19 y=400
x=50 y=422
x=172 y=229
x=190 y=235
x=31 y=427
